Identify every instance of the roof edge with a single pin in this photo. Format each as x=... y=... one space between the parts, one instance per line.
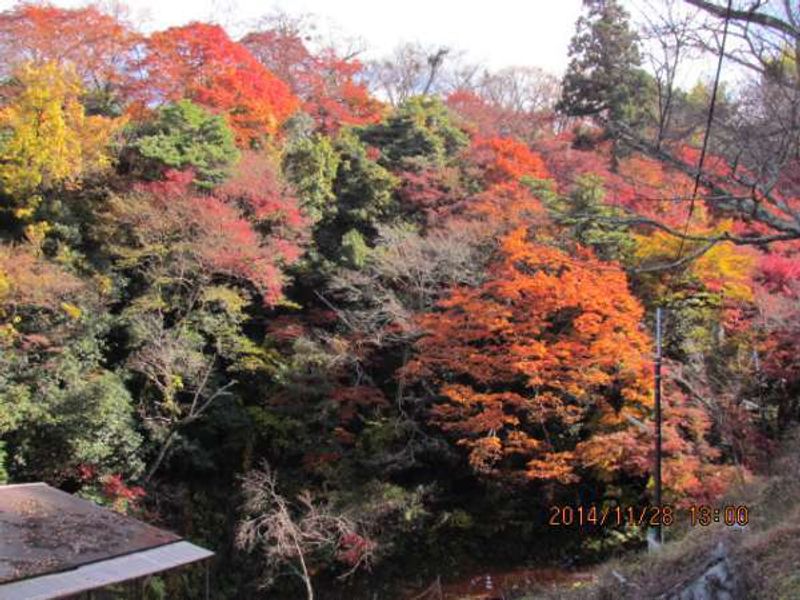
x=17 y=485
x=106 y=572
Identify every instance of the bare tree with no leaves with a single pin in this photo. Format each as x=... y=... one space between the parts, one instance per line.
x=760 y=137
x=289 y=531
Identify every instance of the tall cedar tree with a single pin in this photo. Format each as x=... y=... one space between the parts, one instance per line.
x=603 y=74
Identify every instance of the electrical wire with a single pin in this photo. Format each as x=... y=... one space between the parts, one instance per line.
x=709 y=120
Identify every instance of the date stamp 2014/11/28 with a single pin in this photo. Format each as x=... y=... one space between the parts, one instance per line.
x=702 y=515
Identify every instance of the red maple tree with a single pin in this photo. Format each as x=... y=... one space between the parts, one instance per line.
x=214 y=233
x=327 y=83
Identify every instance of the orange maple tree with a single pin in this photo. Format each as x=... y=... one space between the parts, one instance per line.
x=200 y=62
x=506 y=159
x=538 y=369
x=336 y=98
x=96 y=44
x=326 y=82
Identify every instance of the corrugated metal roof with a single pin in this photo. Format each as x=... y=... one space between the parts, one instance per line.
x=54 y=544
x=43 y=530
x=104 y=573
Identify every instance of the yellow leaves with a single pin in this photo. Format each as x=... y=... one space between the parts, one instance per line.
x=72 y=311
x=5 y=284
x=104 y=284
x=8 y=334
x=36 y=232
x=655 y=245
x=49 y=140
x=27 y=212
x=725 y=268
x=232 y=301
x=728 y=268
x=177 y=382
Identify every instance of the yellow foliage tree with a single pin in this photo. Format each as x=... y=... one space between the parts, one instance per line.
x=725 y=268
x=46 y=138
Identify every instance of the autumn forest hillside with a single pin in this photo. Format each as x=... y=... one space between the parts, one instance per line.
x=356 y=325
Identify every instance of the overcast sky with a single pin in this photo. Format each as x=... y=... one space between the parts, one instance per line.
x=495 y=33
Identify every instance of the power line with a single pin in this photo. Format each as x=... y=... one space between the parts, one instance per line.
x=698 y=176
x=709 y=120
x=687 y=198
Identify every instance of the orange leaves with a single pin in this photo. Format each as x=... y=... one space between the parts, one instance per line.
x=351 y=398
x=507 y=205
x=95 y=44
x=335 y=98
x=484 y=453
x=546 y=354
x=554 y=466
x=325 y=83
x=200 y=62
x=691 y=470
x=500 y=165
x=28 y=279
x=197 y=61
x=506 y=159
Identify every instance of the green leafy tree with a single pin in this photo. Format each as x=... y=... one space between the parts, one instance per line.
x=589 y=220
x=364 y=192
x=354 y=249
x=183 y=136
x=60 y=406
x=310 y=164
x=3 y=471
x=364 y=189
x=192 y=265
x=418 y=133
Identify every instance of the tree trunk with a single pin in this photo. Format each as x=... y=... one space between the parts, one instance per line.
x=162 y=453
x=306 y=577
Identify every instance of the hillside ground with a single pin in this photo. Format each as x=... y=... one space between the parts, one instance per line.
x=764 y=556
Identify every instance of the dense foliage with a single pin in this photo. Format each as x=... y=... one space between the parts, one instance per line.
x=243 y=297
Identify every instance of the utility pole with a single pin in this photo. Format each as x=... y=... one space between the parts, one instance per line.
x=659 y=530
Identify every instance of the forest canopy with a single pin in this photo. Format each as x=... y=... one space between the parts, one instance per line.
x=340 y=318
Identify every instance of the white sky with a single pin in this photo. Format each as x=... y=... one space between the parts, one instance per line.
x=497 y=33
x=494 y=33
